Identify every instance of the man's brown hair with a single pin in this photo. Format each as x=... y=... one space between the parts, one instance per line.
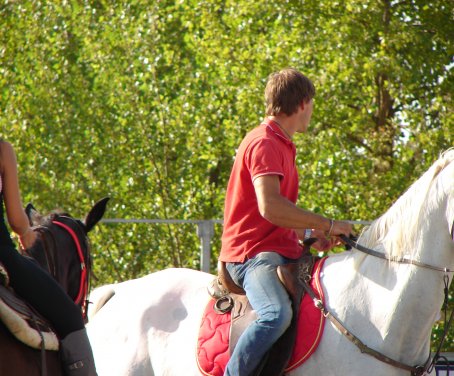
x=285 y=90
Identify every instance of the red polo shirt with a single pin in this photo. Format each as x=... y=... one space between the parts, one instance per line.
x=264 y=151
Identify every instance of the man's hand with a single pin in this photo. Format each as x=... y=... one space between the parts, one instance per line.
x=323 y=242
x=341 y=228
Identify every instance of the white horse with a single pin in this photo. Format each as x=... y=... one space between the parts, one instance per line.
x=150 y=326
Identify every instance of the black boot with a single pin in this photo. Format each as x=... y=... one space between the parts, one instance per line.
x=77 y=355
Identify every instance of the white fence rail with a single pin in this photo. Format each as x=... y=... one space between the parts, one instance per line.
x=205 y=231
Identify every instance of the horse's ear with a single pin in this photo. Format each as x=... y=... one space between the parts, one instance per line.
x=30 y=211
x=95 y=214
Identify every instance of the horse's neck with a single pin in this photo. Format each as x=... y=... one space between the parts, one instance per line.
x=390 y=305
x=437 y=245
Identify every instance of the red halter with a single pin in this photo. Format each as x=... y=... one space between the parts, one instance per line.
x=83 y=287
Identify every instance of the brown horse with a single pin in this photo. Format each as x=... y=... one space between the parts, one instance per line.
x=67 y=258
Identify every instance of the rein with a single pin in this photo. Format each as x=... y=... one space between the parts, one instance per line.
x=415 y=370
x=400 y=260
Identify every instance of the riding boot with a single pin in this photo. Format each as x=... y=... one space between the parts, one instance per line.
x=77 y=355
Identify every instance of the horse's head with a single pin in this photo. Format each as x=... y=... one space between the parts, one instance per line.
x=63 y=248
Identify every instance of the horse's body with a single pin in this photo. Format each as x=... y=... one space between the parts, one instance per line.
x=63 y=262
x=150 y=325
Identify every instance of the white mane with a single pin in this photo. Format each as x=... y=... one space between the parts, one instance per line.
x=397 y=231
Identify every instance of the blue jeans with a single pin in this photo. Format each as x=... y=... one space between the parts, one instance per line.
x=272 y=304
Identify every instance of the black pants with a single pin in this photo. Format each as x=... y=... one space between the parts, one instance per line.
x=40 y=290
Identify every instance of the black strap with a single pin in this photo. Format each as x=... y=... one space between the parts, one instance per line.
x=400 y=260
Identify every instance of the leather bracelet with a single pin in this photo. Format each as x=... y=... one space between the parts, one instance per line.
x=331 y=221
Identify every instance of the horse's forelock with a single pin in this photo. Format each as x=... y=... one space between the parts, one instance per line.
x=399 y=228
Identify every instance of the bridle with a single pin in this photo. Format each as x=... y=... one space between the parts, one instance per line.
x=415 y=370
x=418 y=370
x=65 y=222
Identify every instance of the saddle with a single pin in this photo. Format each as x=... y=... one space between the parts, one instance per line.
x=231 y=298
x=22 y=320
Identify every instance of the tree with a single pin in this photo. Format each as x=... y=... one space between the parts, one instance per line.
x=146 y=103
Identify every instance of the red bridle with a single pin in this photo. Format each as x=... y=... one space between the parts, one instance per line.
x=81 y=297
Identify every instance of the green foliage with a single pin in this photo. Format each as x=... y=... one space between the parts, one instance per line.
x=146 y=102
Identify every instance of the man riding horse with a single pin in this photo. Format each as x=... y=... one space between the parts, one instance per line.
x=262 y=224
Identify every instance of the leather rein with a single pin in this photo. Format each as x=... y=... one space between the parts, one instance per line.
x=415 y=370
x=400 y=260
x=81 y=298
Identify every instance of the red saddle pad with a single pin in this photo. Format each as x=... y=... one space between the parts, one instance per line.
x=213 y=342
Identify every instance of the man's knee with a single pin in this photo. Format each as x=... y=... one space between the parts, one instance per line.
x=278 y=317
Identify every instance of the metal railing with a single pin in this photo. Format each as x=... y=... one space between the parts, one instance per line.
x=205 y=231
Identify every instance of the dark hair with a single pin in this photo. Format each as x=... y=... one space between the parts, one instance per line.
x=285 y=90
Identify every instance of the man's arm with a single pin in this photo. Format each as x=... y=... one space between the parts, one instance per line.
x=280 y=211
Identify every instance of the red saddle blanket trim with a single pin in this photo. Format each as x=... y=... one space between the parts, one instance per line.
x=213 y=341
